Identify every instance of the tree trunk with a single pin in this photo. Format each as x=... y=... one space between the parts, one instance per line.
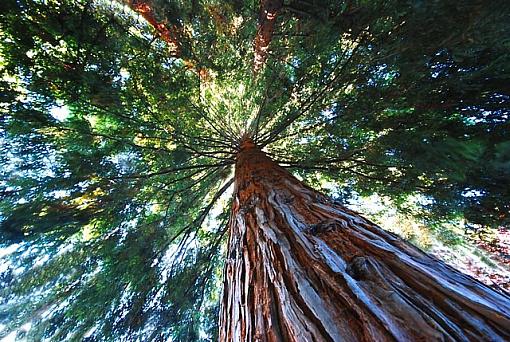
x=268 y=12
x=170 y=33
x=302 y=268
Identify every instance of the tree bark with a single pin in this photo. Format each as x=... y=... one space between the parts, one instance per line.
x=268 y=12
x=302 y=268
x=170 y=33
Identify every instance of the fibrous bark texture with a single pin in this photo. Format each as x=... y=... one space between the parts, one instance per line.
x=302 y=268
x=269 y=10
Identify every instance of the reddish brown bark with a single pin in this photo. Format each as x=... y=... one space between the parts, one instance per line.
x=171 y=34
x=168 y=32
x=268 y=12
x=302 y=268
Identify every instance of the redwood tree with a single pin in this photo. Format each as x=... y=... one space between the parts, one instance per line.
x=302 y=268
x=154 y=150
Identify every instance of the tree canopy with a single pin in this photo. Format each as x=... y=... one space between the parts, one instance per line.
x=120 y=122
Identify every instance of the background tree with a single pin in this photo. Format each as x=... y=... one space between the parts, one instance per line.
x=117 y=151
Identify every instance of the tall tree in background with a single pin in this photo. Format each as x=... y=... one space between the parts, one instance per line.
x=121 y=127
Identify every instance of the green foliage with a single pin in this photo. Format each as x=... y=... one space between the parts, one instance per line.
x=116 y=157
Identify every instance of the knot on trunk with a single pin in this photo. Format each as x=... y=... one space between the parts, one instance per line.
x=326 y=226
x=361 y=268
x=249 y=204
